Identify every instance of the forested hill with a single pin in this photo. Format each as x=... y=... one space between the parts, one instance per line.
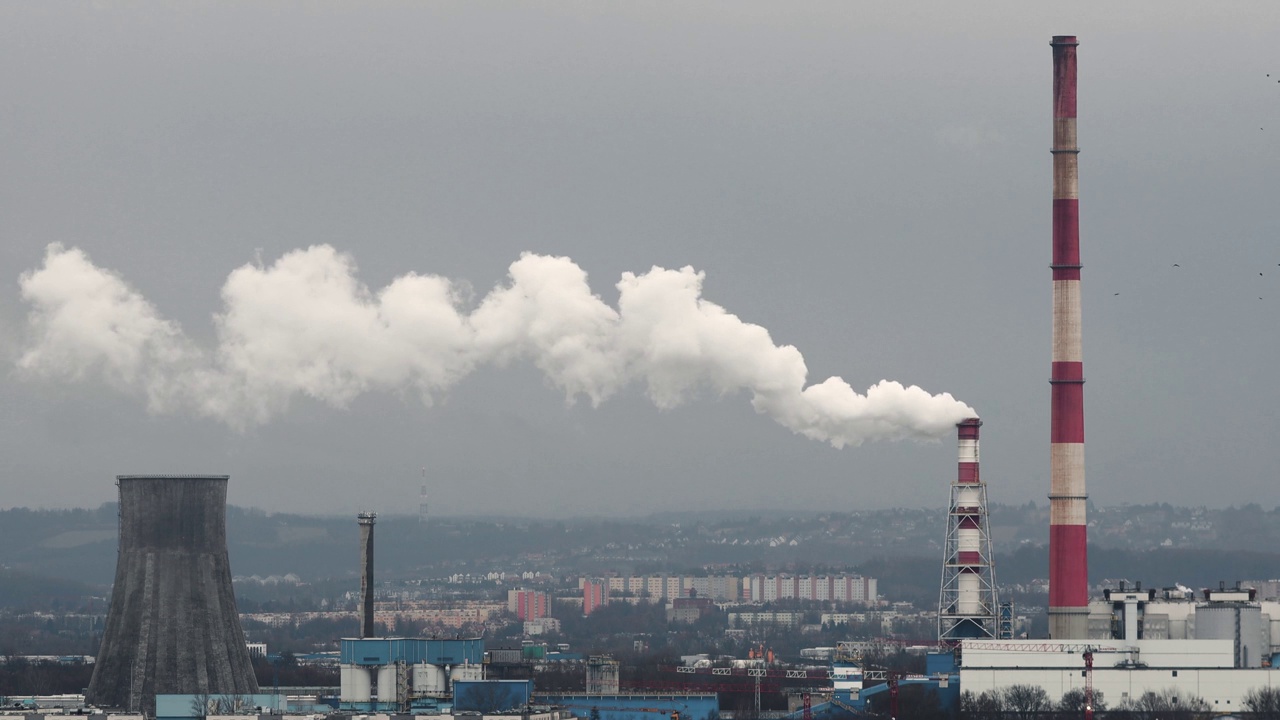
x=1193 y=546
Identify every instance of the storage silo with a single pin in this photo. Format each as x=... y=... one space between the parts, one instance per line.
x=1231 y=614
x=172 y=626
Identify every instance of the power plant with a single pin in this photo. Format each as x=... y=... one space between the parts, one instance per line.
x=172 y=626
x=1130 y=642
x=173 y=629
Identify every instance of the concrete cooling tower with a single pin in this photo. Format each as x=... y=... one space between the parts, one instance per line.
x=172 y=626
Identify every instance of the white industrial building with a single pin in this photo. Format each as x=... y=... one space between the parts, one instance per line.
x=1218 y=649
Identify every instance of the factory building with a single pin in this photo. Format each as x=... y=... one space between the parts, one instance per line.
x=1169 y=614
x=1218 y=649
x=399 y=674
x=1121 y=670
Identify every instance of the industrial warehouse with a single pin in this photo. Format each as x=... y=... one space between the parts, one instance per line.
x=173 y=646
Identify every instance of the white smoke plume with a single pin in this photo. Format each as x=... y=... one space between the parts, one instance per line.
x=306 y=326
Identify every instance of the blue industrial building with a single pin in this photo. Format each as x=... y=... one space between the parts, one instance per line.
x=411 y=651
x=399 y=674
x=637 y=707
x=491 y=696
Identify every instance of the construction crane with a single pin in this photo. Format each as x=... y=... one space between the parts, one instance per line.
x=891 y=678
x=1085 y=650
x=1088 y=685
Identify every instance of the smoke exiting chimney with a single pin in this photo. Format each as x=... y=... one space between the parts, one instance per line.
x=1068 y=559
x=366 y=520
x=967 y=604
x=172 y=627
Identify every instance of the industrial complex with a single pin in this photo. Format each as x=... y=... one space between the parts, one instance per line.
x=173 y=646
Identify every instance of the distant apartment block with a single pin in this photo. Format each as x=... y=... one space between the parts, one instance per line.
x=776 y=619
x=753 y=588
x=661 y=588
x=453 y=615
x=528 y=604
x=833 y=588
x=595 y=594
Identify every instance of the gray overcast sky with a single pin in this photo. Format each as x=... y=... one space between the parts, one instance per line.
x=870 y=182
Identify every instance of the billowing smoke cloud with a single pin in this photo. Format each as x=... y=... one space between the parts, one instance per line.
x=306 y=326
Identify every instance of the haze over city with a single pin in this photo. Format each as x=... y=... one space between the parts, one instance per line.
x=868 y=185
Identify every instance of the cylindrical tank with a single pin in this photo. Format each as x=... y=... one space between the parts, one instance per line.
x=172 y=627
x=355 y=684
x=429 y=679
x=387 y=684
x=1241 y=622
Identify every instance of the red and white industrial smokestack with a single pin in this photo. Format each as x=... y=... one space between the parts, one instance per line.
x=1068 y=560
x=967 y=605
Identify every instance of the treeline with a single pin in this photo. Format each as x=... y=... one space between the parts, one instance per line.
x=1032 y=702
x=25 y=591
x=19 y=676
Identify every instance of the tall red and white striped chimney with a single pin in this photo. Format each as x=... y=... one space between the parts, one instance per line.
x=1068 y=559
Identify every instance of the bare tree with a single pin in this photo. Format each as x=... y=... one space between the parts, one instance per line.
x=233 y=704
x=202 y=704
x=983 y=706
x=1072 y=703
x=1168 y=704
x=1025 y=699
x=1264 y=702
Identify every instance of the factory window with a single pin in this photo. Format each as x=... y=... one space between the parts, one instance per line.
x=1175 y=673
